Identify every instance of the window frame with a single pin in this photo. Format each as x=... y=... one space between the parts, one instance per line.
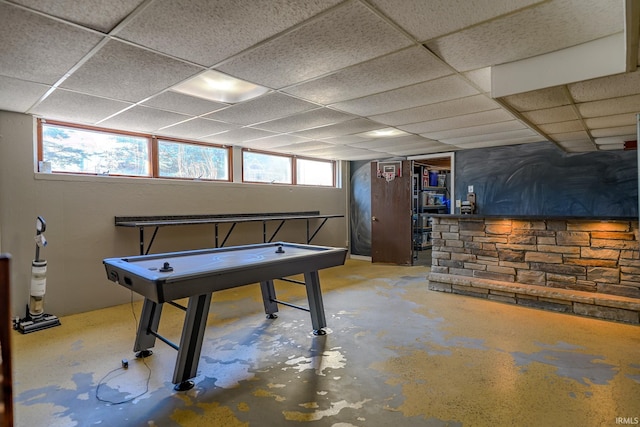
x=156 y=158
x=333 y=174
x=153 y=160
x=40 y=150
x=294 y=166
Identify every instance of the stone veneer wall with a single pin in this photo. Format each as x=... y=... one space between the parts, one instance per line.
x=589 y=267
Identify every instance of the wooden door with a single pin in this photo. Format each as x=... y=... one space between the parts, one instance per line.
x=391 y=240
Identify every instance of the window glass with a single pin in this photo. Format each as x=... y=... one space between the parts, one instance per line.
x=314 y=172
x=182 y=160
x=260 y=167
x=88 y=151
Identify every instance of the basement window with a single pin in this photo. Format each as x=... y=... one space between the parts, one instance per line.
x=192 y=161
x=264 y=167
x=315 y=172
x=77 y=149
x=90 y=151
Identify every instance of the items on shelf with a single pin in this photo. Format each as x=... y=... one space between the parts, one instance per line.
x=431 y=195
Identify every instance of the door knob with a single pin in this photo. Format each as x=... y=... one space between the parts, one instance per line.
x=373 y=218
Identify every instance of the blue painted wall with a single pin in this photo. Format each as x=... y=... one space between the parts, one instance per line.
x=541 y=179
x=360 y=209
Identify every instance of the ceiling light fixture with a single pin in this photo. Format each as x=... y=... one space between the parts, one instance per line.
x=219 y=87
x=383 y=133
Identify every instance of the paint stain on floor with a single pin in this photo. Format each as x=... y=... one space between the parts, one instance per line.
x=396 y=354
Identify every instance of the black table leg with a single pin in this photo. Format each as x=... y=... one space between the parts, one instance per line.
x=149 y=320
x=269 y=299
x=195 y=323
x=316 y=307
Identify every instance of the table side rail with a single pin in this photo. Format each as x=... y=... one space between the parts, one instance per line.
x=170 y=289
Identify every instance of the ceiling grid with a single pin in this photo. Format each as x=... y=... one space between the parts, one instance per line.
x=334 y=70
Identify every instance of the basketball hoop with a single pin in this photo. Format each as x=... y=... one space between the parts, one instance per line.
x=389 y=176
x=389 y=170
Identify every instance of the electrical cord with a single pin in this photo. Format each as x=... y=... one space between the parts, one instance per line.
x=123 y=368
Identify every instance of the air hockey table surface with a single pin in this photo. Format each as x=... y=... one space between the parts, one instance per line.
x=174 y=275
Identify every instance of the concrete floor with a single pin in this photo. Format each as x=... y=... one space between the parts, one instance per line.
x=396 y=354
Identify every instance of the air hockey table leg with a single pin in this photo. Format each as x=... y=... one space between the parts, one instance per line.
x=269 y=299
x=195 y=323
x=149 y=320
x=316 y=306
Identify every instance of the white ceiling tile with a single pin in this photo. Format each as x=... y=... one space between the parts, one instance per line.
x=624 y=104
x=481 y=78
x=77 y=108
x=579 y=146
x=500 y=143
x=442 y=89
x=403 y=149
x=96 y=14
x=30 y=46
x=570 y=136
x=267 y=107
x=206 y=32
x=562 y=127
x=398 y=147
x=382 y=144
x=492 y=137
x=19 y=95
x=307 y=120
x=539 y=99
x=194 y=129
x=456 y=107
x=238 y=135
x=420 y=150
x=414 y=139
x=467 y=120
x=365 y=156
x=506 y=126
x=404 y=68
x=606 y=87
x=617 y=131
x=143 y=119
x=277 y=140
x=552 y=115
x=344 y=128
x=179 y=103
x=342 y=152
x=347 y=139
x=344 y=36
x=121 y=71
x=445 y=16
x=566 y=23
x=306 y=146
x=618 y=120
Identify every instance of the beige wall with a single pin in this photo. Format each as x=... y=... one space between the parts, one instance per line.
x=80 y=211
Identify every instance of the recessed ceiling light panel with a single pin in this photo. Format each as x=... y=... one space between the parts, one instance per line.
x=383 y=133
x=219 y=87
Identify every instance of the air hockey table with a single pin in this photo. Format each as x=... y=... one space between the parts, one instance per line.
x=196 y=274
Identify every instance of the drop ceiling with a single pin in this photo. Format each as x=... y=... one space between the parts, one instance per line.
x=334 y=70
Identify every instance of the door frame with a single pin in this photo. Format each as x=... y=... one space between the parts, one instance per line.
x=452 y=156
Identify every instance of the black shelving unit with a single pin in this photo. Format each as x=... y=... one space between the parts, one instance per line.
x=427 y=199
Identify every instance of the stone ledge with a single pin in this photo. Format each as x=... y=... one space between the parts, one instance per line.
x=610 y=307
